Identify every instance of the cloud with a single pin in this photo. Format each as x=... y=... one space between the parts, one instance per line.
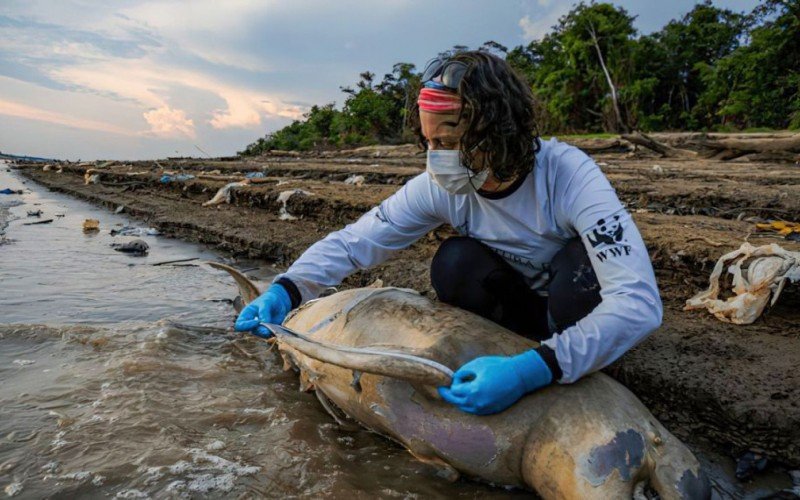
x=535 y=29
x=130 y=60
x=207 y=29
x=229 y=71
x=168 y=122
x=18 y=110
x=238 y=114
x=147 y=81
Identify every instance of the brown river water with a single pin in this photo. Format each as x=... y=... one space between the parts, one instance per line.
x=120 y=379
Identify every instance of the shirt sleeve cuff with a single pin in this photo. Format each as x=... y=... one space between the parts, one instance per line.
x=291 y=289
x=549 y=357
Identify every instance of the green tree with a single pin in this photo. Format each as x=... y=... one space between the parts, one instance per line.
x=758 y=84
x=578 y=69
x=678 y=56
x=712 y=68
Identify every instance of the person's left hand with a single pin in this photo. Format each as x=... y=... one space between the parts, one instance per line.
x=271 y=307
x=490 y=384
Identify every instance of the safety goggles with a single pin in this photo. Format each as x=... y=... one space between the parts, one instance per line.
x=449 y=72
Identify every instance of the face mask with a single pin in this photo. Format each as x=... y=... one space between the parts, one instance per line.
x=445 y=168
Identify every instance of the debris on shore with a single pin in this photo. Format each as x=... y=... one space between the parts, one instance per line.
x=758 y=274
x=134 y=247
x=90 y=225
x=689 y=212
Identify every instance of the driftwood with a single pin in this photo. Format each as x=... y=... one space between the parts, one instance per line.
x=225 y=178
x=730 y=148
x=235 y=178
x=723 y=147
x=45 y=221
x=599 y=145
x=664 y=150
x=759 y=145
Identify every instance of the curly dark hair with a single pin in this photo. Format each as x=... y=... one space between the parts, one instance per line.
x=498 y=106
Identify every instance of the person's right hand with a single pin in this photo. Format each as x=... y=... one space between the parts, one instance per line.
x=271 y=307
x=490 y=384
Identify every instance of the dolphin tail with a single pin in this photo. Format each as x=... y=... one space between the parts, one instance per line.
x=248 y=291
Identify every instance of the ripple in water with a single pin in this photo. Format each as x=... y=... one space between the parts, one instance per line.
x=106 y=399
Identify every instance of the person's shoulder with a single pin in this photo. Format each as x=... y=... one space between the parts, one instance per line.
x=559 y=155
x=561 y=164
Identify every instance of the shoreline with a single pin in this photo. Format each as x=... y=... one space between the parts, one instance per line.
x=730 y=386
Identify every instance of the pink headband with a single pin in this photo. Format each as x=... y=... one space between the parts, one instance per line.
x=438 y=101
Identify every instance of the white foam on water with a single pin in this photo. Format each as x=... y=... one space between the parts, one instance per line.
x=153 y=474
x=176 y=486
x=346 y=440
x=84 y=476
x=205 y=473
x=179 y=467
x=204 y=483
x=51 y=467
x=23 y=362
x=132 y=493
x=77 y=476
x=13 y=489
x=199 y=456
x=258 y=411
x=59 y=440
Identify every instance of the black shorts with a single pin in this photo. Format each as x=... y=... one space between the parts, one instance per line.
x=468 y=274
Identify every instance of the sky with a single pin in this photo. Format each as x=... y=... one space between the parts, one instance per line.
x=141 y=79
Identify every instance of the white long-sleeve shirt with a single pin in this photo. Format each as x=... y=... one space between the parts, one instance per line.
x=566 y=195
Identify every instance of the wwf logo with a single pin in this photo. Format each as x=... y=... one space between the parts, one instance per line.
x=608 y=232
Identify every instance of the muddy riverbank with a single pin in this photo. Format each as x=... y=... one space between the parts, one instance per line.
x=733 y=387
x=119 y=378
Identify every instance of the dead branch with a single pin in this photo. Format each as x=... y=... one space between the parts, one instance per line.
x=760 y=145
x=730 y=148
x=664 y=150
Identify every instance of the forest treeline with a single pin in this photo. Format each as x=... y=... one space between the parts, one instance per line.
x=712 y=69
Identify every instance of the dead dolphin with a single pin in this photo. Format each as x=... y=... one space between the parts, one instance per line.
x=134 y=247
x=589 y=440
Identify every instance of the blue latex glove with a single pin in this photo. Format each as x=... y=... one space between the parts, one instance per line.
x=491 y=384
x=271 y=307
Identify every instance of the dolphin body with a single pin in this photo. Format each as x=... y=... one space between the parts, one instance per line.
x=589 y=440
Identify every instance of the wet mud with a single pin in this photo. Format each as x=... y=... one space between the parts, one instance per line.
x=120 y=377
x=730 y=388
